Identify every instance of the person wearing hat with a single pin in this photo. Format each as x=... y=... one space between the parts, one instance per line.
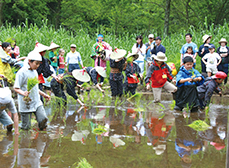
x=54 y=58
x=187 y=80
x=188 y=38
x=213 y=60
x=203 y=50
x=132 y=74
x=34 y=105
x=159 y=47
x=158 y=74
x=95 y=74
x=223 y=51
x=73 y=59
x=71 y=80
x=117 y=64
x=149 y=46
x=211 y=84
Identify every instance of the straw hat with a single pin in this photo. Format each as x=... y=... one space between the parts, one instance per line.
x=53 y=45
x=160 y=56
x=205 y=37
x=133 y=55
x=81 y=75
x=101 y=71
x=3 y=53
x=118 y=53
x=40 y=47
x=223 y=40
x=34 y=55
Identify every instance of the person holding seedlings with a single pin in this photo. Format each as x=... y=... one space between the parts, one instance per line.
x=28 y=100
x=95 y=74
x=7 y=102
x=73 y=59
x=223 y=51
x=117 y=64
x=212 y=61
x=159 y=47
x=211 y=84
x=71 y=80
x=6 y=61
x=203 y=50
x=184 y=49
x=187 y=80
x=140 y=49
x=54 y=58
x=61 y=61
x=159 y=73
x=132 y=73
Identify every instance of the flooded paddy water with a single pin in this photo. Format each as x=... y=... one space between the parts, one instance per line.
x=119 y=133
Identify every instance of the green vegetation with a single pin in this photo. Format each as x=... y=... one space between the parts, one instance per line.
x=199 y=125
x=31 y=83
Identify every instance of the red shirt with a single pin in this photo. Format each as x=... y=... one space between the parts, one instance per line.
x=61 y=60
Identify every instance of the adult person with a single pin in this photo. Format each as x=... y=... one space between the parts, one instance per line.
x=140 y=49
x=204 y=50
x=223 y=51
x=149 y=46
x=159 y=47
x=188 y=38
x=73 y=59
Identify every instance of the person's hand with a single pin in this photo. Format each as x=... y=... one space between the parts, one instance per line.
x=147 y=86
x=58 y=68
x=196 y=79
x=174 y=81
x=12 y=51
x=148 y=48
x=55 y=77
x=189 y=80
x=66 y=69
x=47 y=97
x=16 y=132
x=26 y=93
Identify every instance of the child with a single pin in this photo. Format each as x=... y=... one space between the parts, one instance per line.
x=187 y=79
x=117 y=64
x=6 y=101
x=211 y=84
x=223 y=51
x=54 y=58
x=61 y=61
x=158 y=73
x=35 y=105
x=212 y=61
x=189 y=52
x=132 y=73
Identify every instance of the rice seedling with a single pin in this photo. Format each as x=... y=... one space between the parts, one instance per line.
x=99 y=130
x=31 y=82
x=199 y=125
x=82 y=164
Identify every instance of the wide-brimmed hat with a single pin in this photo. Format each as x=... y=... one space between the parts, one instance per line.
x=40 y=47
x=3 y=53
x=160 y=56
x=81 y=75
x=5 y=96
x=133 y=55
x=118 y=53
x=34 y=55
x=223 y=40
x=101 y=71
x=205 y=37
x=53 y=45
x=159 y=149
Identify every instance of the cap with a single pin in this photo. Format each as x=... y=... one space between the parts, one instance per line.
x=211 y=46
x=158 y=38
x=100 y=35
x=151 y=36
x=219 y=74
x=73 y=46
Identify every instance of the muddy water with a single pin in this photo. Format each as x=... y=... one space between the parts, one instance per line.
x=150 y=136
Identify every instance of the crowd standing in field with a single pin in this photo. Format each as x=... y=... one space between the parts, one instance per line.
x=149 y=58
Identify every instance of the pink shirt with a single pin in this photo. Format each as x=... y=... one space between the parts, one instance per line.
x=108 y=50
x=61 y=60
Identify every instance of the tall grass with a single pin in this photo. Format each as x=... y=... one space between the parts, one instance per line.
x=26 y=35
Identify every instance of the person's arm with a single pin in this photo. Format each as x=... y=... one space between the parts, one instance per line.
x=13 y=110
x=16 y=123
x=218 y=58
x=46 y=96
x=181 y=59
x=148 y=76
x=16 y=51
x=21 y=92
x=203 y=59
x=185 y=80
x=201 y=51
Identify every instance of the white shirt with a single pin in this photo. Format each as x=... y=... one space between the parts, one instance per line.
x=141 y=54
x=73 y=58
x=212 y=59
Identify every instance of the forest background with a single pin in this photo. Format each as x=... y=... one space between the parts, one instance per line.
x=79 y=21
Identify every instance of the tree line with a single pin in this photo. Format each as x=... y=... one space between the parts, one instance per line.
x=117 y=16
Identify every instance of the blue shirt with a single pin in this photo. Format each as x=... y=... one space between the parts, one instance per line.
x=183 y=74
x=74 y=58
x=185 y=46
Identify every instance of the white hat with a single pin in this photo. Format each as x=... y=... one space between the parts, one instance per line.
x=151 y=36
x=34 y=55
x=160 y=149
x=81 y=75
x=53 y=45
x=40 y=47
x=223 y=40
x=160 y=56
x=118 y=53
x=133 y=55
x=3 y=53
x=101 y=71
x=73 y=45
x=205 y=37
x=5 y=96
